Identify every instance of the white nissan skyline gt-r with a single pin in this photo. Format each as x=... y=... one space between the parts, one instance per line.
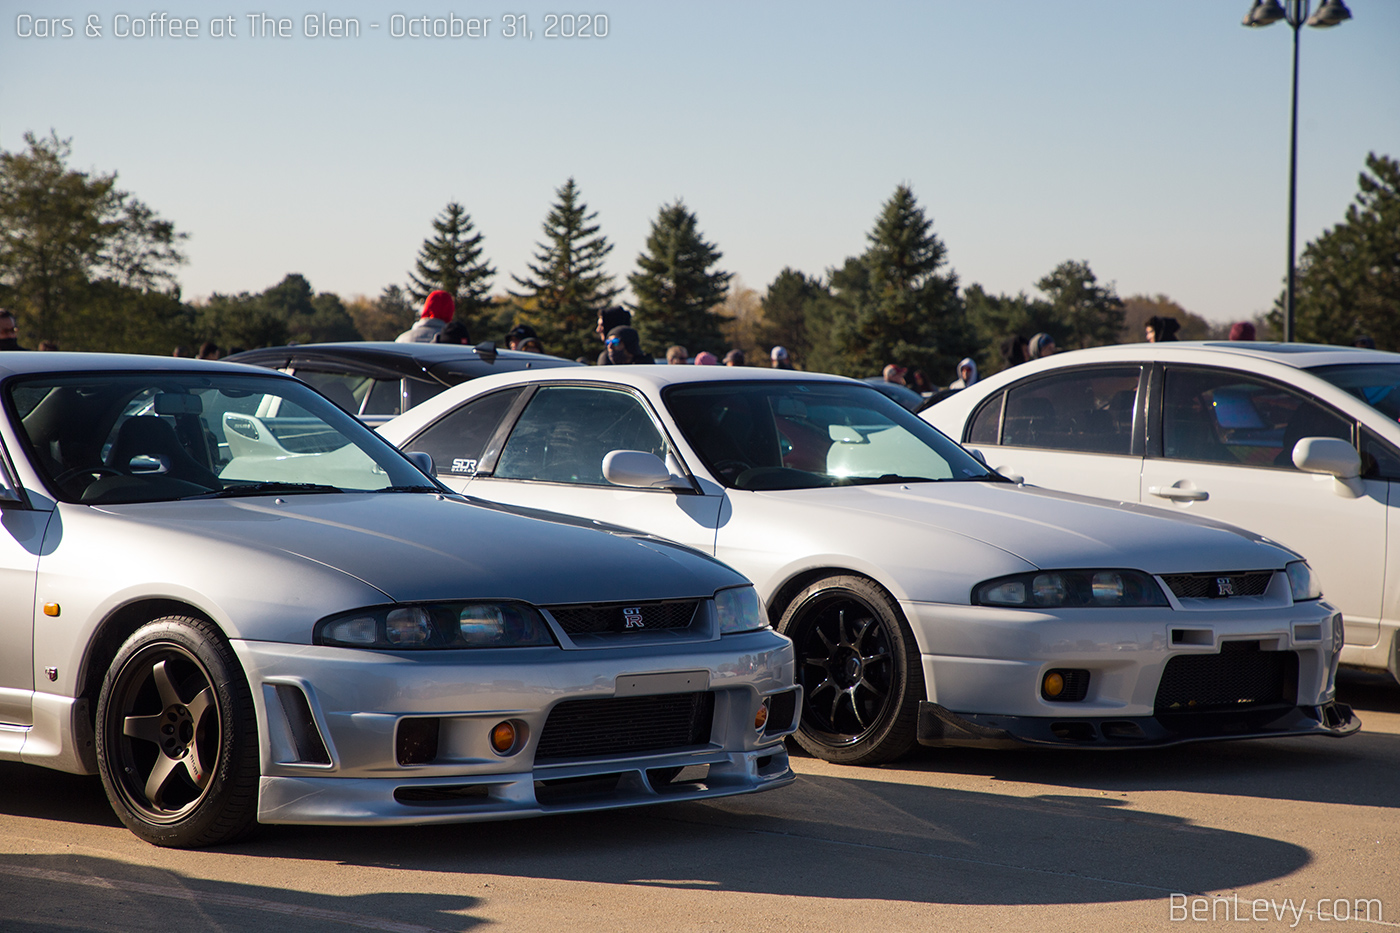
x=929 y=599
x=238 y=604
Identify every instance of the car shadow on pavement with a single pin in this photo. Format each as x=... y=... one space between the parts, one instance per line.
x=53 y=893
x=837 y=837
x=1358 y=770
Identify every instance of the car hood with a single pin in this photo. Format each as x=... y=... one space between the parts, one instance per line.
x=1044 y=528
x=424 y=546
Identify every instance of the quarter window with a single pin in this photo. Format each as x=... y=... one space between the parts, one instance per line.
x=1087 y=411
x=1227 y=417
x=457 y=443
x=566 y=431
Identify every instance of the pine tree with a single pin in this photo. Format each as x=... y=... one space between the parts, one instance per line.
x=675 y=288
x=787 y=312
x=566 y=281
x=1349 y=277
x=893 y=304
x=452 y=261
x=1088 y=314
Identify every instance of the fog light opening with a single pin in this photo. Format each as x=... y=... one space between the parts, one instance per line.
x=761 y=718
x=1053 y=685
x=505 y=737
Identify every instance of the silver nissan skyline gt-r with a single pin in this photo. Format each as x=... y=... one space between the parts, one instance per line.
x=237 y=605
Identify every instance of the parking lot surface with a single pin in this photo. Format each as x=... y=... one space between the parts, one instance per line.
x=1279 y=834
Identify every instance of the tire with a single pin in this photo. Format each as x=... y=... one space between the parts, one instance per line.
x=859 y=668
x=177 y=742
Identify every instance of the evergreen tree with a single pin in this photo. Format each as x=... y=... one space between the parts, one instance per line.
x=996 y=317
x=1349 y=278
x=787 y=309
x=1086 y=314
x=894 y=304
x=451 y=261
x=676 y=289
x=566 y=281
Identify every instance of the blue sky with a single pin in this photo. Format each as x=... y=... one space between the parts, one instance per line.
x=1150 y=139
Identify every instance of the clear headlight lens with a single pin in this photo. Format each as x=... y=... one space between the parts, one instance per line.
x=740 y=610
x=1070 y=589
x=437 y=625
x=1303 y=581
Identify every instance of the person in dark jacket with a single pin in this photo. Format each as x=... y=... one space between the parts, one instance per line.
x=623 y=347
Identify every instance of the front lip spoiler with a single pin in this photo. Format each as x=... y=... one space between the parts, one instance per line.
x=942 y=727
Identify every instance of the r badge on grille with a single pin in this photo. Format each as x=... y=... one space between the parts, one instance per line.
x=632 y=618
x=1224 y=586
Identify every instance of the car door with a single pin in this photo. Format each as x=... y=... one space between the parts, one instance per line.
x=21 y=537
x=1074 y=429
x=544 y=448
x=1221 y=445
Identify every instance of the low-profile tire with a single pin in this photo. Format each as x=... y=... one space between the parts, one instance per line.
x=177 y=742
x=859 y=668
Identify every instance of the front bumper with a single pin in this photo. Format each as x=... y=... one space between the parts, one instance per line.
x=942 y=727
x=341 y=729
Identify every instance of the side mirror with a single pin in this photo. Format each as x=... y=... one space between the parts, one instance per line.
x=1333 y=457
x=978 y=456
x=640 y=469
x=423 y=461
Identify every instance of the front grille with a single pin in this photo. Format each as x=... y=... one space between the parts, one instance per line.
x=1239 y=677
x=1217 y=585
x=625 y=617
x=626 y=725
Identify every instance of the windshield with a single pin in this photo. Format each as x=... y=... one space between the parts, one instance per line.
x=149 y=437
x=792 y=435
x=1376 y=384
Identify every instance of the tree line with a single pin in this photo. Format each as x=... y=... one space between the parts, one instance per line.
x=92 y=267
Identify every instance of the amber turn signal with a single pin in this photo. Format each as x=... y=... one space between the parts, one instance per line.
x=761 y=719
x=503 y=737
x=1053 y=685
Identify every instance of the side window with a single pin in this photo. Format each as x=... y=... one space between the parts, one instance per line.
x=1229 y=417
x=1086 y=410
x=565 y=432
x=457 y=442
x=1379 y=460
x=986 y=424
x=385 y=397
x=345 y=390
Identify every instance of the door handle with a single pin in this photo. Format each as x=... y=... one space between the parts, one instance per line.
x=1178 y=495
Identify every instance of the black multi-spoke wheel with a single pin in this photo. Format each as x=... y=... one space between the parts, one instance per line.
x=859 y=669
x=176 y=736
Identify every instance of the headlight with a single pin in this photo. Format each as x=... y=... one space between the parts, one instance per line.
x=436 y=625
x=1070 y=589
x=1302 y=581
x=740 y=610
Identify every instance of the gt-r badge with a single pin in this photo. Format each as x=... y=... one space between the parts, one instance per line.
x=632 y=618
x=1224 y=586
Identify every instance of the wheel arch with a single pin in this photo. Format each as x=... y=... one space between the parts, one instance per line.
x=784 y=594
x=114 y=630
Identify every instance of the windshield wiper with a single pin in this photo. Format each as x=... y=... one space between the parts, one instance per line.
x=263 y=489
x=891 y=478
x=418 y=488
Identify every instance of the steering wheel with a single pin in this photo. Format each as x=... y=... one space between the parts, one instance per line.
x=98 y=470
x=730 y=469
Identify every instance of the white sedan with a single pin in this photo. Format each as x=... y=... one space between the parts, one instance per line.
x=1294 y=441
x=929 y=599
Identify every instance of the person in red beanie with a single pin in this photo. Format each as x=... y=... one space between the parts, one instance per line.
x=437 y=312
x=1243 y=330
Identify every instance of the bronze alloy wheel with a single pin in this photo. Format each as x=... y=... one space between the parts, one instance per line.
x=176 y=738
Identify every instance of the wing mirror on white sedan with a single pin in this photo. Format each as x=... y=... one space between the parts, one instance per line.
x=639 y=468
x=1334 y=457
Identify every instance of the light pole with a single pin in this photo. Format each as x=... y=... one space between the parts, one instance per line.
x=1266 y=13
